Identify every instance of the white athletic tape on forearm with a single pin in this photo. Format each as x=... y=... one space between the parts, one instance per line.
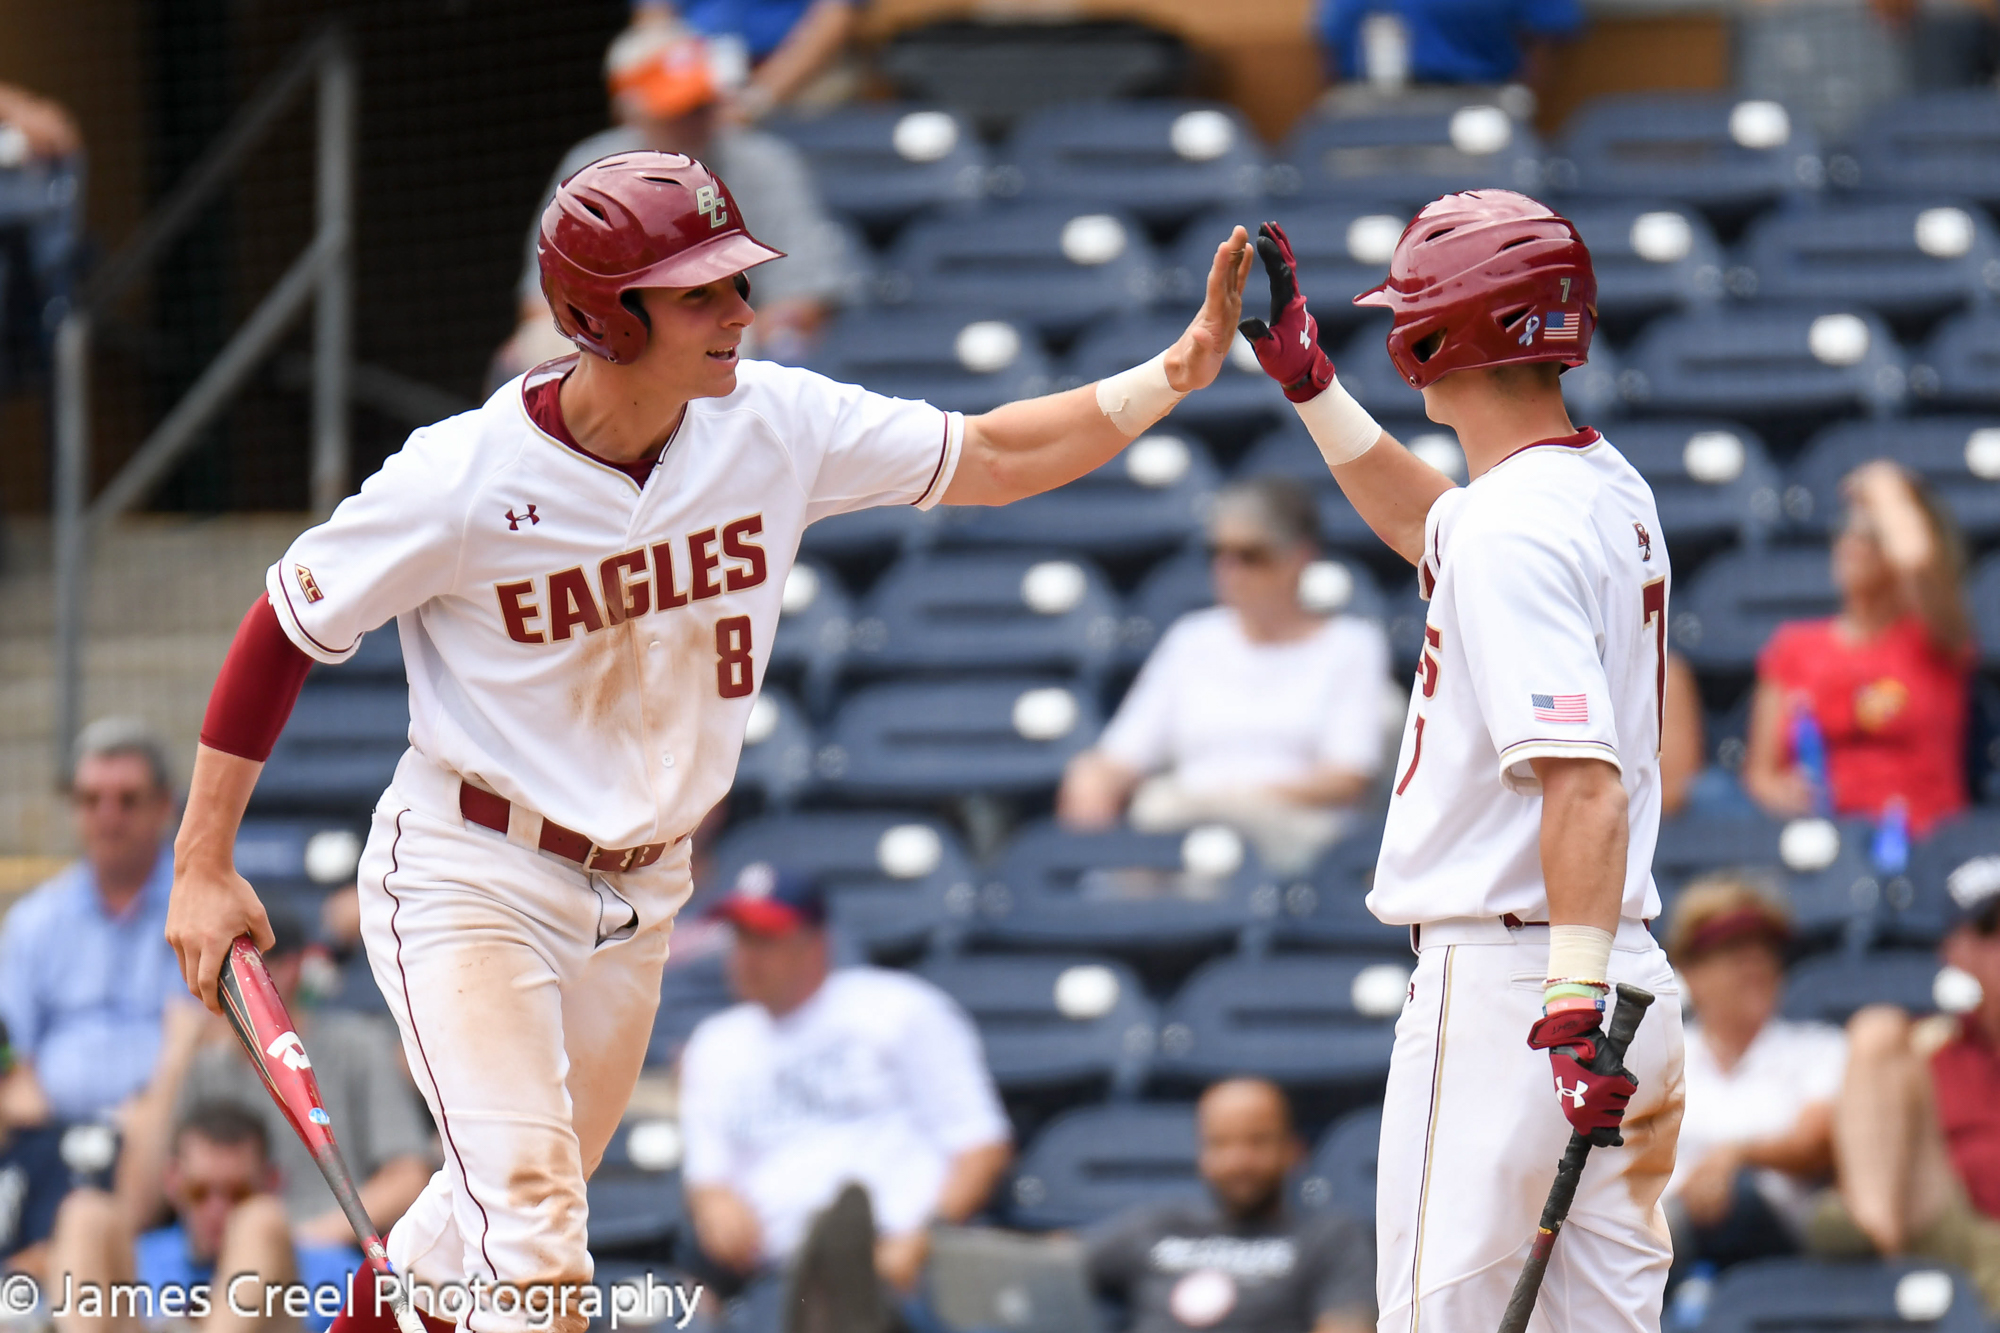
x=1341 y=427
x=1134 y=399
x=1579 y=953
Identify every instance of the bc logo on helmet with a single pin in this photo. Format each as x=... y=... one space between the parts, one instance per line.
x=708 y=203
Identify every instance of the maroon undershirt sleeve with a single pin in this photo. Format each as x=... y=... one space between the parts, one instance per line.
x=258 y=684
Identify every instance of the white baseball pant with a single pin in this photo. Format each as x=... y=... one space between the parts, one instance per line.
x=524 y=989
x=1471 y=1133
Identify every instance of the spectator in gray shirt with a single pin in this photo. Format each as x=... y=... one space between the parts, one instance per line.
x=1241 y=1261
x=666 y=95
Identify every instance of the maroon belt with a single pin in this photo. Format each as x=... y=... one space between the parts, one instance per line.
x=483 y=808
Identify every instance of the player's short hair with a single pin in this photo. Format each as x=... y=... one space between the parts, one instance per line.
x=111 y=736
x=1726 y=908
x=226 y=1123
x=1282 y=507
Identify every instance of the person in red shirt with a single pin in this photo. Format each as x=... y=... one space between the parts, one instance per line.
x=1916 y=1127
x=1887 y=679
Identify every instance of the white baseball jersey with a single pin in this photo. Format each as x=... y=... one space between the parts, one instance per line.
x=578 y=643
x=1546 y=637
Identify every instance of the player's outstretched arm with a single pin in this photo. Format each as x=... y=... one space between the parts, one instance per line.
x=1391 y=488
x=1035 y=445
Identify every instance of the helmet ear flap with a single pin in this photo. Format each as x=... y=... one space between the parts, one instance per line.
x=629 y=298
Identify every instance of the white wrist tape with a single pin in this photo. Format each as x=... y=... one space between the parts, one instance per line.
x=1134 y=399
x=1579 y=953
x=1341 y=427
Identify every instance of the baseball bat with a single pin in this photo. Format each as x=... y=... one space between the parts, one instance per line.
x=260 y=1021
x=1632 y=1004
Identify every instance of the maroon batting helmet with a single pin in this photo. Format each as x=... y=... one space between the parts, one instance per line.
x=632 y=220
x=1486 y=278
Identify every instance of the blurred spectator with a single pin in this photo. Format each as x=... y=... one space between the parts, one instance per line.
x=1257 y=711
x=1243 y=1261
x=33 y=1180
x=1917 y=1124
x=791 y=45
x=85 y=969
x=667 y=95
x=34 y=126
x=384 y=1133
x=1883 y=686
x=1757 y=1136
x=821 y=1078
x=1681 y=741
x=1390 y=43
x=227 y=1220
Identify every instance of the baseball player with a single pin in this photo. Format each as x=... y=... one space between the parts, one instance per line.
x=585 y=573
x=1526 y=795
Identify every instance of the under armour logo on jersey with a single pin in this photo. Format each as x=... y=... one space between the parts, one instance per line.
x=1530 y=329
x=514 y=520
x=708 y=203
x=1575 y=1095
x=1645 y=541
x=286 y=1046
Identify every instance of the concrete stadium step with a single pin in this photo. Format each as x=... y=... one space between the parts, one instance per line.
x=165 y=597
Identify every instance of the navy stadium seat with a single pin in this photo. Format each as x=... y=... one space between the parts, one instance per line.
x=380 y=657
x=1183 y=584
x=1984 y=596
x=1098 y=1161
x=1149 y=498
x=1408 y=157
x=1242 y=398
x=1407 y=612
x=868 y=534
x=815 y=624
x=1725 y=615
x=1815 y=1296
x=357 y=992
x=960 y=362
x=891 y=879
x=1649 y=258
x=298 y=855
x=1959 y=365
x=1933 y=144
x=691 y=989
x=1328 y=909
x=1351 y=861
x=1304 y=1021
x=925 y=741
x=1342 y=247
x=636 y=1203
x=1829 y=882
x=1712 y=482
x=338 y=750
x=1365 y=369
x=1896 y=258
x=1780 y=370
x=1954 y=845
x=1123 y=891
x=1594 y=392
x=1056 y=267
x=1958 y=458
x=777 y=756
x=1724 y=156
x=1002 y=610
x=1052 y=1021
x=1340 y=1176
x=882 y=164
x=1163 y=160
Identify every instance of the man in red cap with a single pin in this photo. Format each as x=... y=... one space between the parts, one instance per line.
x=586 y=574
x=1526 y=796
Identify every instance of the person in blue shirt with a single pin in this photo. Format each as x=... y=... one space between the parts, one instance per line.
x=1455 y=41
x=85 y=968
x=228 y=1220
x=788 y=43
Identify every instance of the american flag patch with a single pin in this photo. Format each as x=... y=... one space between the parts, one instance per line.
x=1560 y=707
x=1560 y=326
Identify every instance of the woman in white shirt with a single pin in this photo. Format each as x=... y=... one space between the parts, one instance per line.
x=1757 y=1137
x=1256 y=712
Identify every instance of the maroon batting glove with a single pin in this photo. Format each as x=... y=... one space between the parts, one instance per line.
x=1593 y=1102
x=1287 y=347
